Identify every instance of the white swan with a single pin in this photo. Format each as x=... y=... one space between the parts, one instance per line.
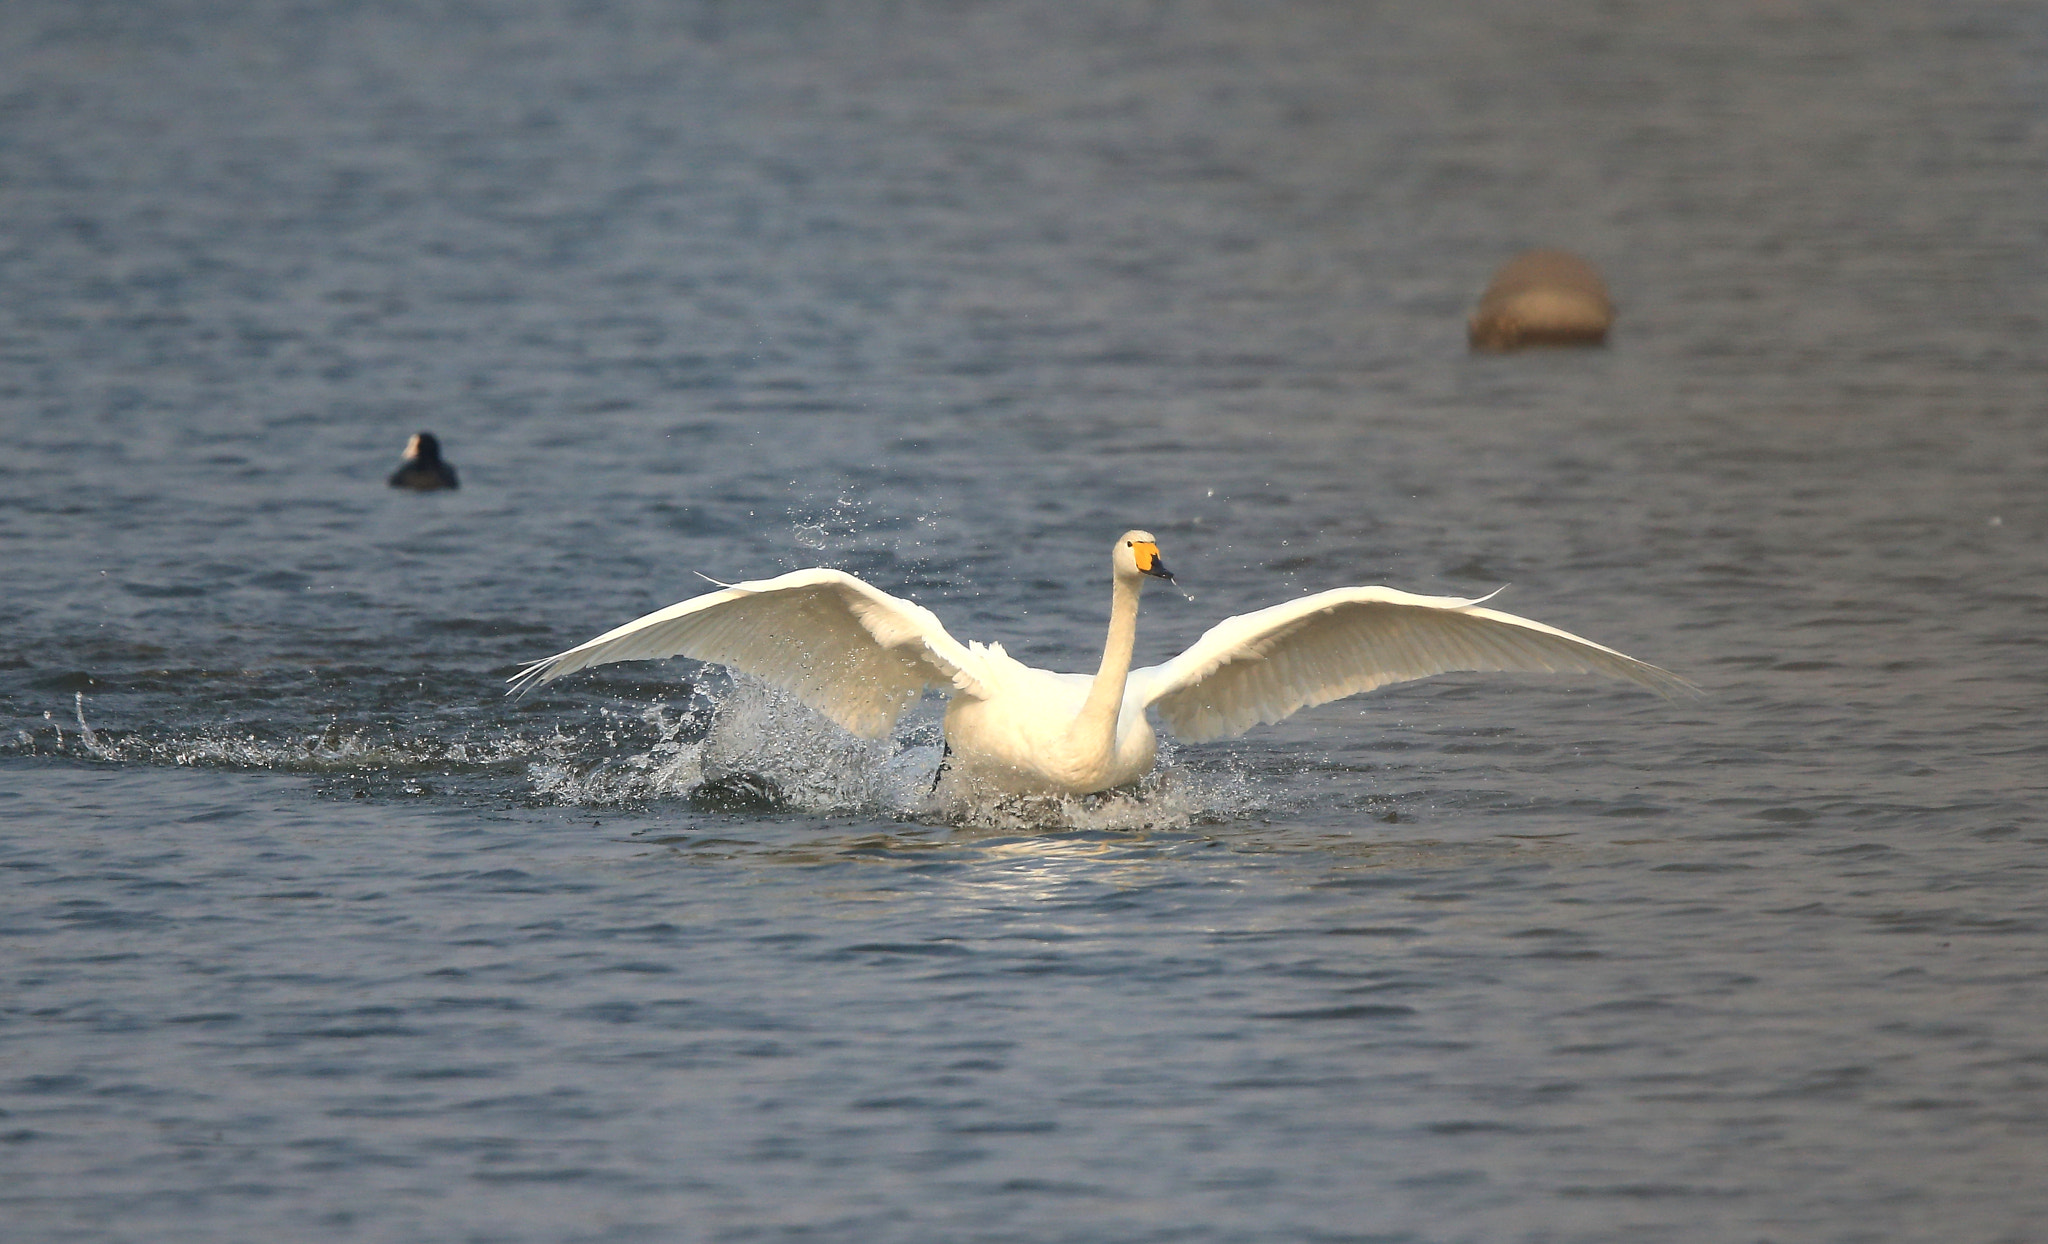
x=861 y=657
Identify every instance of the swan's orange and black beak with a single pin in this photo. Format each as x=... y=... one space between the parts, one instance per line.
x=1147 y=556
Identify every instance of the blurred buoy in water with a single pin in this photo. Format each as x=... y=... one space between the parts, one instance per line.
x=423 y=470
x=1542 y=298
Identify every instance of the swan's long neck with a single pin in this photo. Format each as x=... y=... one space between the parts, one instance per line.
x=1106 y=696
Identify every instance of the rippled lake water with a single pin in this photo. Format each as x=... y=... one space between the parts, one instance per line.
x=311 y=932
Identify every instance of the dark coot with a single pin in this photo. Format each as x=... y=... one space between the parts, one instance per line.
x=423 y=470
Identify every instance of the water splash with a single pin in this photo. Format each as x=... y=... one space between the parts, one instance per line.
x=738 y=747
x=671 y=767
x=751 y=736
x=85 y=732
x=336 y=749
x=763 y=749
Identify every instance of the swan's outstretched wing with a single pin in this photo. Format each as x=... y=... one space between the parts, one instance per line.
x=851 y=651
x=1262 y=666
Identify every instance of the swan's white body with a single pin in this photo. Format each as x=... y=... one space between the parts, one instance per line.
x=861 y=657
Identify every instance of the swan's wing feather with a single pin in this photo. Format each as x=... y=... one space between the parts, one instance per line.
x=1261 y=666
x=845 y=648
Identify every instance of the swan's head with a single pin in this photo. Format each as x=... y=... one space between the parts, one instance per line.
x=1137 y=553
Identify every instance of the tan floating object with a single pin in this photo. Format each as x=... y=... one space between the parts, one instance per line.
x=1542 y=298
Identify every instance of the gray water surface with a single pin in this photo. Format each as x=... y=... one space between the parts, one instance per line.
x=310 y=932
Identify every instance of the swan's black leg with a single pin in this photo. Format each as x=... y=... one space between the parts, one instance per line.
x=945 y=758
